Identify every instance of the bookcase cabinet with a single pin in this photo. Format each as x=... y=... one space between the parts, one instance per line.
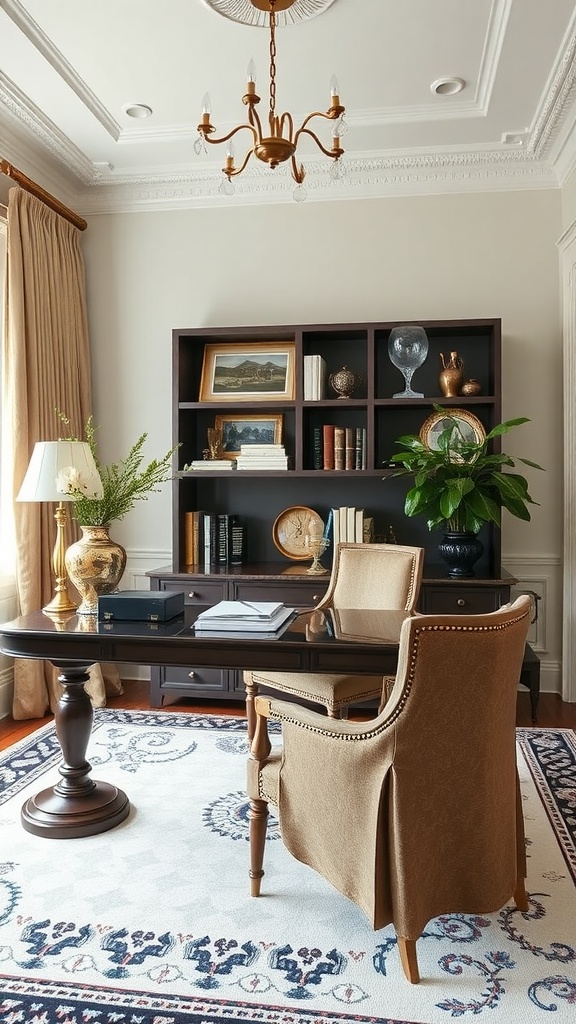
x=258 y=497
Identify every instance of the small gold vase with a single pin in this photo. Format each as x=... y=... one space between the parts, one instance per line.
x=451 y=376
x=95 y=565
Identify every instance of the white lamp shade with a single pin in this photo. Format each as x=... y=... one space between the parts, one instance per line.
x=72 y=460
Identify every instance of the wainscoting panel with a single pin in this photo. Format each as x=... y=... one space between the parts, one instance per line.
x=542 y=575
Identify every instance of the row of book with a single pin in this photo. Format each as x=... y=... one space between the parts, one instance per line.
x=213 y=538
x=349 y=524
x=314 y=378
x=339 y=447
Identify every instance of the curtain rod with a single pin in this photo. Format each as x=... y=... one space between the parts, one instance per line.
x=36 y=190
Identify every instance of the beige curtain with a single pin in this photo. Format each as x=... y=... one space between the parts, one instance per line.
x=46 y=367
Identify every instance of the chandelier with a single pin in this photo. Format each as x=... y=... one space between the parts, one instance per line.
x=279 y=141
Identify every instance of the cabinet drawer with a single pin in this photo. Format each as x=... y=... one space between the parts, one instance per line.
x=454 y=600
x=194 y=679
x=197 y=591
x=295 y=595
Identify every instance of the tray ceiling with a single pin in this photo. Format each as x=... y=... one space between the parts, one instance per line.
x=68 y=72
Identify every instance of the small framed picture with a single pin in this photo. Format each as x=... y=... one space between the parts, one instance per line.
x=248 y=372
x=238 y=430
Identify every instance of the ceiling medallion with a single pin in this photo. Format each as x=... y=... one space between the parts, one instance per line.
x=247 y=13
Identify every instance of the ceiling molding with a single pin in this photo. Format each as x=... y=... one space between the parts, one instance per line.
x=28 y=117
x=371 y=177
x=61 y=66
x=556 y=103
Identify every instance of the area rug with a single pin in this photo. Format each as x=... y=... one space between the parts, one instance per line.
x=152 y=922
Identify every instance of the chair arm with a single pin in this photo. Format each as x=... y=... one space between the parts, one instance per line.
x=296 y=714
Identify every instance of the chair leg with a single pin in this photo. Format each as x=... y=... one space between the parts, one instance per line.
x=251 y=689
x=520 y=897
x=258 y=816
x=408 y=959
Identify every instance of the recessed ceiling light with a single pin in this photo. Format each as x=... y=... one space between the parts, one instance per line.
x=137 y=110
x=447 y=86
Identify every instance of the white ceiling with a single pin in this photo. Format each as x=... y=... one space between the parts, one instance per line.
x=68 y=68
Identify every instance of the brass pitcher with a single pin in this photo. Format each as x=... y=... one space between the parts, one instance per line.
x=451 y=376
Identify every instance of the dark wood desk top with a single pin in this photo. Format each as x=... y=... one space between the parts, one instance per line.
x=359 y=641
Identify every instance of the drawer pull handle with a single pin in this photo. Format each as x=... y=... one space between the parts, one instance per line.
x=191 y=675
x=315 y=598
x=460 y=602
x=192 y=594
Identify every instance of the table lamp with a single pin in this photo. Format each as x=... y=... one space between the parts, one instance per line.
x=60 y=471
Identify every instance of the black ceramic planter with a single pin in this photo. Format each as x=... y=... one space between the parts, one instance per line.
x=460 y=551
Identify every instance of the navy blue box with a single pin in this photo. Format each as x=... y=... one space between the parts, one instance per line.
x=141 y=605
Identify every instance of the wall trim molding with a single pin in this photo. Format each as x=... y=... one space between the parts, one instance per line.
x=567 y=249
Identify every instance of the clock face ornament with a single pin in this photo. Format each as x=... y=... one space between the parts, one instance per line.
x=294 y=529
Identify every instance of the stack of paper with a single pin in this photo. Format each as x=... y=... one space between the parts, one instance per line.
x=243 y=616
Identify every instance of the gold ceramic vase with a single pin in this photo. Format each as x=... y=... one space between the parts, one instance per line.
x=95 y=565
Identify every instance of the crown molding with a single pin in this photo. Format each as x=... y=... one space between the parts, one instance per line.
x=368 y=177
x=40 y=41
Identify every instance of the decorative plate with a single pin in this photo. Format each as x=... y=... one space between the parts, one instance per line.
x=291 y=530
x=465 y=424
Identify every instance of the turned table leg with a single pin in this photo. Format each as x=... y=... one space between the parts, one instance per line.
x=77 y=805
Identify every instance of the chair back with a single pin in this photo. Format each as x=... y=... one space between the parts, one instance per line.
x=453 y=807
x=374 y=576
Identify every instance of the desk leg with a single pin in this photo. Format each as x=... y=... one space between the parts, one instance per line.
x=76 y=806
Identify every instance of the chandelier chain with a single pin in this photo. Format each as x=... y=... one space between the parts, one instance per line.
x=272 y=66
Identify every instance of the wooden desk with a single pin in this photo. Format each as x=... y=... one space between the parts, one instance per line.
x=79 y=806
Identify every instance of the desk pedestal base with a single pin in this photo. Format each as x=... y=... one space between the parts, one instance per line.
x=77 y=805
x=65 y=817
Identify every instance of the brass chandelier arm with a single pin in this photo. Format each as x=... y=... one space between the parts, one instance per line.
x=298 y=172
x=335 y=153
x=226 y=138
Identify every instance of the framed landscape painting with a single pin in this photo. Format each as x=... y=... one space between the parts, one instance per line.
x=238 y=429
x=248 y=372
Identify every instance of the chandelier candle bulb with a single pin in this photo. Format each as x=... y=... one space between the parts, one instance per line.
x=334 y=92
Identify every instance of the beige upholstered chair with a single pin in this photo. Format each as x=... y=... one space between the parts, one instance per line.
x=416 y=813
x=386 y=576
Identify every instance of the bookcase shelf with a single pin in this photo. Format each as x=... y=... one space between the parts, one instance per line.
x=363 y=348
x=257 y=497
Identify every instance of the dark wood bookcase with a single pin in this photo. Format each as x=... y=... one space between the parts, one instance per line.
x=259 y=496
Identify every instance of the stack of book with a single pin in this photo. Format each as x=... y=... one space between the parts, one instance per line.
x=243 y=617
x=262 y=456
x=213 y=538
x=314 y=378
x=349 y=524
x=339 y=447
x=210 y=464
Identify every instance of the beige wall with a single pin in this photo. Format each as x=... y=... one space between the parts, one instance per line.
x=430 y=257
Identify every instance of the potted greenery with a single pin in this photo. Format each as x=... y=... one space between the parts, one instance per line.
x=95 y=563
x=459 y=485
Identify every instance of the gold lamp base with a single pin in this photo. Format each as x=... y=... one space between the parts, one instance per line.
x=60 y=603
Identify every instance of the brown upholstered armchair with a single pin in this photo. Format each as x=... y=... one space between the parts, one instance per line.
x=376 y=576
x=417 y=812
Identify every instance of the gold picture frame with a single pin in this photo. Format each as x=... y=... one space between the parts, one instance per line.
x=259 y=371
x=244 y=428
x=469 y=426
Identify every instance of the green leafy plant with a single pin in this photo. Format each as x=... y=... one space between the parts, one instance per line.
x=124 y=482
x=461 y=485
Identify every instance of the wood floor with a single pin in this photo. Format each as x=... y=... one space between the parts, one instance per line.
x=552 y=711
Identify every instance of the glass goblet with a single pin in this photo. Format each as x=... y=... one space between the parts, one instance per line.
x=408 y=348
